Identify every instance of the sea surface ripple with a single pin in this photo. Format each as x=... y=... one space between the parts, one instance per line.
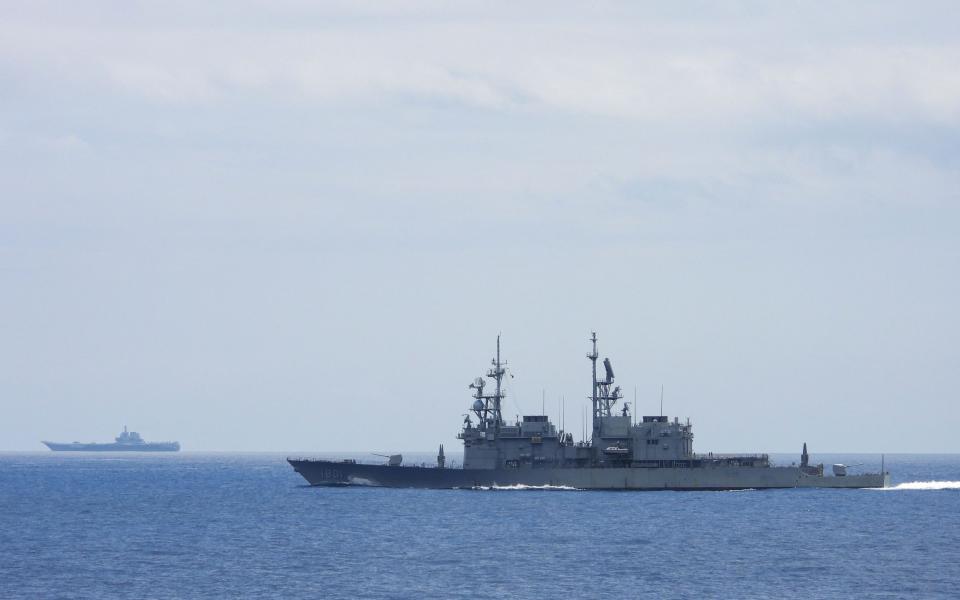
x=196 y=525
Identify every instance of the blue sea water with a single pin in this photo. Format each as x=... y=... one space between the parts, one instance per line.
x=232 y=525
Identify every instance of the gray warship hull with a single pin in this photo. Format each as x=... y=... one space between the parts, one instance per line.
x=145 y=447
x=334 y=473
x=621 y=452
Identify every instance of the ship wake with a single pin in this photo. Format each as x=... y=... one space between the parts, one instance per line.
x=362 y=481
x=520 y=486
x=924 y=485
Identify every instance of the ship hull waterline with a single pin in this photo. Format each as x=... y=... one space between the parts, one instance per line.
x=146 y=447
x=333 y=473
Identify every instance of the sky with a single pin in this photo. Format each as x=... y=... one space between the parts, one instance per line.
x=300 y=226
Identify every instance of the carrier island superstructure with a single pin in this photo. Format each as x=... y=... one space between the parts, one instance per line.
x=652 y=453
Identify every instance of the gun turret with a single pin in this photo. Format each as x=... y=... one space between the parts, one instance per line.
x=393 y=460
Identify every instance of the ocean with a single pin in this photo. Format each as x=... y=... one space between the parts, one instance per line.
x=195 y=525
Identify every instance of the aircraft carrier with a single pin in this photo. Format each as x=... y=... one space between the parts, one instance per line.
x=127 y=441
x=621 y=453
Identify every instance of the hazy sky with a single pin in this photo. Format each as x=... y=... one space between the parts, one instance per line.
x=300 y=226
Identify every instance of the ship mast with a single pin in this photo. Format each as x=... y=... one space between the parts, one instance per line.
x=602 y=397
x=487 y=406
x=497 y=373
x=593 y=394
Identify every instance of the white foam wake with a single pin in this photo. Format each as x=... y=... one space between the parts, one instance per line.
x=354 y=480
x=521 y=486
x=925 y=485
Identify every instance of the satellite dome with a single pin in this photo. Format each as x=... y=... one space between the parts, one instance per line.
x=478 y=405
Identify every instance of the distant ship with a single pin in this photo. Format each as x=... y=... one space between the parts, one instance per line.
x=621 y=453
x=128 y=441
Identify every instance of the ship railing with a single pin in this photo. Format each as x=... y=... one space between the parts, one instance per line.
x=364 y=461
x=716 y=456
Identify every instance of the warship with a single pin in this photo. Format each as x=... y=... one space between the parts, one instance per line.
x=127 y=441
x=622 y=453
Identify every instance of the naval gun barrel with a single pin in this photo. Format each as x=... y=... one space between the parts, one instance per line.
x=393 y=460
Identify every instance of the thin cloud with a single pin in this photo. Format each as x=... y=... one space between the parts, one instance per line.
x=631 y=69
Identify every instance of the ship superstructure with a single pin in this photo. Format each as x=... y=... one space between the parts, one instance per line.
x=616 y=440
x=622 y=452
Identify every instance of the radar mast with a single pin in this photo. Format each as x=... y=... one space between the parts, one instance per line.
x=602 y=397
x=487 y=406
x=593 y=394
